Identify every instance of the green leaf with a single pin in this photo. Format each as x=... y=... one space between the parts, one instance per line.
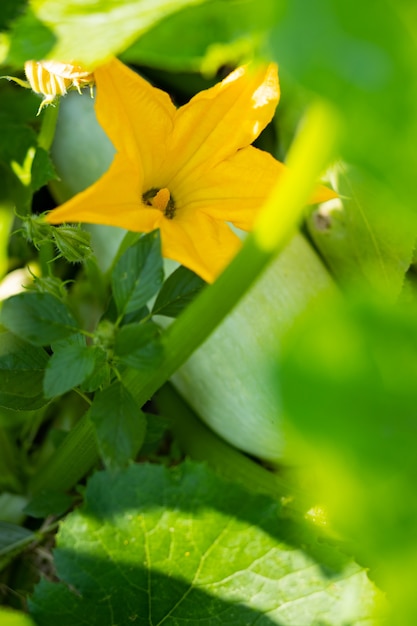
x=39 y=318
x=22 y=367
x=139 y=345
x=364 y=237
x=9 y=617
x=69 y=367
x=213 y=33
x=119 y=423
x=48 y=503
x=9 y=9
x=178 y=290
x=100 y=375
x=17 y=152
x=16 y=402
x=138 y=274
x=348 y=384
x=188 y=548
x=13 y=540
x=360 y=65
x=156 y=428
x=29 y=38
x=90 y=31
x=13 y=536
x=42 y=169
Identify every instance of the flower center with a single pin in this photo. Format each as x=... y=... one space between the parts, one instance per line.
x=162 y=200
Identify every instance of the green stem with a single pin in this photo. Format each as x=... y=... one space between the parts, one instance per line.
x=201 y=444
x=46 y=256
x=6 y=223
x=200 y=319
x=47 y=131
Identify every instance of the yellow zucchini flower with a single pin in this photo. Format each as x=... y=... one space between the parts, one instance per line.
x=188 y=171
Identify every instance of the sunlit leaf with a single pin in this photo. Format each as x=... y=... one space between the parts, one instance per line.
x=9 y=617
x=188 y=548
x=213 y=34
x=90 y=31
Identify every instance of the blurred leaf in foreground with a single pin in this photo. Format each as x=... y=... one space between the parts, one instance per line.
x=9 y=617
x=89 y=31
x=364 y=237
x=367 y=67
x=187 y=547
x=348 y=384
x=213 y=34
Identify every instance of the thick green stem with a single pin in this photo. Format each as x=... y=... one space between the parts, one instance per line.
x=202 y=444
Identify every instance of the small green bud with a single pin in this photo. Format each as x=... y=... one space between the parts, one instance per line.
x=37 y=230
x=49 y=284
x=105 y=334
x=73 y=243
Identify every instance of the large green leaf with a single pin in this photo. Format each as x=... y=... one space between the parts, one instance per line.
x=138 y=274
x=180 y=546
x=39 y=318
x=86 y=30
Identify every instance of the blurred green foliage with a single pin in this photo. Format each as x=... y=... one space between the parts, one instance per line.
x=347 y=376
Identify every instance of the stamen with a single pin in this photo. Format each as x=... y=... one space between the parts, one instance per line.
x=160 y=199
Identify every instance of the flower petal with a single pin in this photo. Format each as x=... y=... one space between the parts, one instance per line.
x=137 y=117
x=236 y=189
x=223 y=119
x=115 y=199
x=202 y=244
